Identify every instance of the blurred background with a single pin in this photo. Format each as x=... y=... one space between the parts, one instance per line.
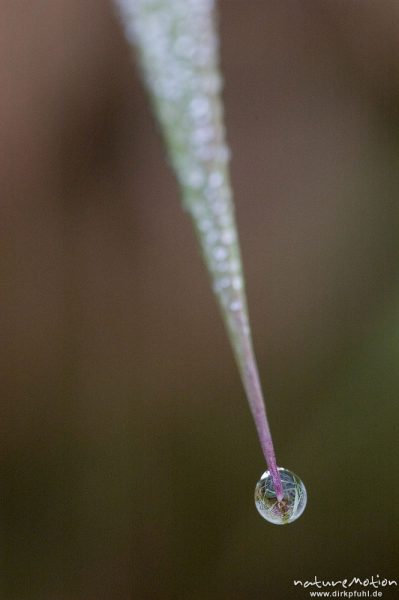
x=128 y=457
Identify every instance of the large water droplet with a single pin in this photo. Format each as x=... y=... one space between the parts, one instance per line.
x=290 y=507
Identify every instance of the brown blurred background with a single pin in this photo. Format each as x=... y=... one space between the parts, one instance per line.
x=128 y=457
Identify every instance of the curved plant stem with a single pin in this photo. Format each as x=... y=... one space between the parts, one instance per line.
x=178 y=49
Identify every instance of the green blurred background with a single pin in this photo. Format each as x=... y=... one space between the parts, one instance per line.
x=128 y=457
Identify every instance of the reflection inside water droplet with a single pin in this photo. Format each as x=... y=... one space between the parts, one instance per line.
x=290 y=507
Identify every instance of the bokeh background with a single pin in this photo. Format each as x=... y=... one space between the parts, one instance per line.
x=128 y=457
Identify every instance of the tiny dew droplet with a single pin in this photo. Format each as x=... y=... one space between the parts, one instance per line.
x=290 y=507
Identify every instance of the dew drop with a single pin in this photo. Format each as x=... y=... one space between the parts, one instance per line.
x=228 y=236
x=216 y=179
x=290 y=507
x=220 y=207
x=205 y=152
x=236 y=305
x=220 y=253
x=199 y=107
x=203 y=135
x=237 y=283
